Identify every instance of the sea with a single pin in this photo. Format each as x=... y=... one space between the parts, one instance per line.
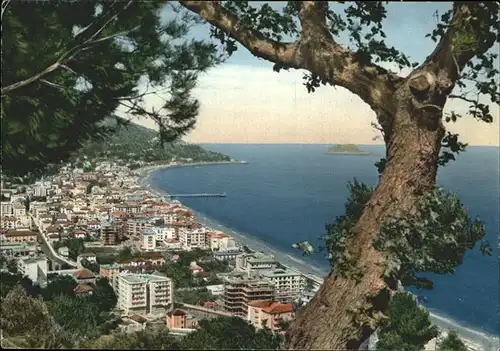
x=288 y=192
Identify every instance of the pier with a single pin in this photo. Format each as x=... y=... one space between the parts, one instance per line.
x=197 y=195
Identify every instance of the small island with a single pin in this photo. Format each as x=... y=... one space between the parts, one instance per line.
x=346 y=149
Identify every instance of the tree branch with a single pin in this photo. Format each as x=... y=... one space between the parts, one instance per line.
x=92 y=31
x=453 y=96
x=315 y=51
x=468 y=35
x=5 y=4
x=253 y=40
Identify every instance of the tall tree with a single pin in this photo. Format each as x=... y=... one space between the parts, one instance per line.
x=234 y=333
x=26 y=323
x=407 y=326
x=410 y=115
x=68 y=65
x=452 y=342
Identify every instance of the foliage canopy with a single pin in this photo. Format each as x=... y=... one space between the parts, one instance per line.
x=68 y=65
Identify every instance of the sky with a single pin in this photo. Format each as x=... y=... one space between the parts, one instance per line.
x=244 y=101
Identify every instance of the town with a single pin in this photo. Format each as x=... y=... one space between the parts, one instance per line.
x=163 y=266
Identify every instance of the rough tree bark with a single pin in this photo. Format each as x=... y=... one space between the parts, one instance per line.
x=410 y=113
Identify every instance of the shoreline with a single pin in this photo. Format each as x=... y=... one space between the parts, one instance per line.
x=476 y=337
x=146 y=171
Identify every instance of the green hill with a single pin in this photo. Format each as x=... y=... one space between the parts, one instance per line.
x=347 y=149
x=132 y=143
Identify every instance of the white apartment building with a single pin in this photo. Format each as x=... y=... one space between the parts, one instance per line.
x=10 y=222
x=148 y=239
x=164 y=233
x=144 y=293
x=40 y=191
x=35 y=268
x=170 y=218
x=254 y=263
x=19 y=210
x=289 y=284
x=5 y=208
x=193 y=237
x=221 y=242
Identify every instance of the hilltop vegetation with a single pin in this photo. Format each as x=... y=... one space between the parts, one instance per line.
x=133 y=143
x=346 y=149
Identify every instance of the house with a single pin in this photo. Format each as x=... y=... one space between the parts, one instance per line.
x=227 y=255
x=53 y=229
x=79 y=234
x=20 y=236
x=83 y=290
x=156 y=258
x=89 y=256
x=194 y=268
x=63 y=251
x=108 y=271
x=176 y=319
x=269 y=313
x=84 y=275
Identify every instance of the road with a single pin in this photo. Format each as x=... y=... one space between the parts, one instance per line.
x=45 y=249
x=48 y=250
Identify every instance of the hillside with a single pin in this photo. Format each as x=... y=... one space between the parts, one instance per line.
x=344 y=149
x=133 y=143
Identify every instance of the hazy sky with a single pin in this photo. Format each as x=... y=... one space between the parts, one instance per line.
x=245 y=101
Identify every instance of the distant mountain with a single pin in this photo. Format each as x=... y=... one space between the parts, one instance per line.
x=346 y=149
x=133 y=143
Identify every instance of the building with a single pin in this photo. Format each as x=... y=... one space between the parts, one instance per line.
x=226 y=255
x=84 y=276
x=238 y=292
x=89 y=256
x=83 y=290
x=176 y=319
x=20 y=236
x=35 y=268
x=289 y=284
x=136 y=225
x=164 y=233
x=193 y=236
x=108 y=271
x=268 y=313
x=17 y=249
x=10 y=223
x=109 y=235
x=148 y=239
x=63 y=251
x=144 y=293
x=221 y=241
x=5 y=208
x=255 y=263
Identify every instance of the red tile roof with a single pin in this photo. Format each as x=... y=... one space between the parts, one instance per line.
x=15 y=233
x=84 y=274
x=82 y=288
x=177 y=312
x=277 y=308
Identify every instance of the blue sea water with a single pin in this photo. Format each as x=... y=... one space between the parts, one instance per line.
x=287 y=193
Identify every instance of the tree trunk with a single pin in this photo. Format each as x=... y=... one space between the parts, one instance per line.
x=412 y=150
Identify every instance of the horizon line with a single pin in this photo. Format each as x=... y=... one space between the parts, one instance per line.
x=302 y=143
